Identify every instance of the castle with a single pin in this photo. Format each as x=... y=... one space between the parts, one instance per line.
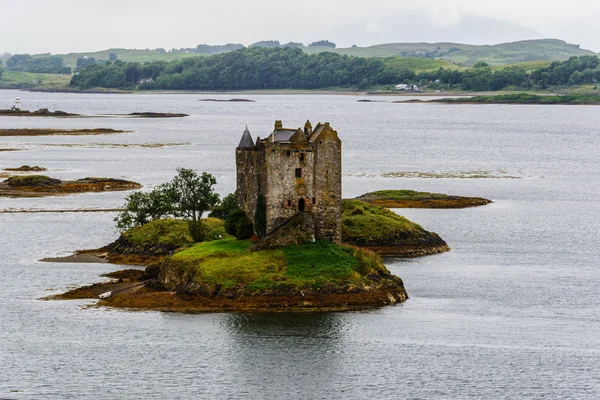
x=292 y=173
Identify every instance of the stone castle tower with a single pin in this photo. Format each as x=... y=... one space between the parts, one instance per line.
x=293 y=173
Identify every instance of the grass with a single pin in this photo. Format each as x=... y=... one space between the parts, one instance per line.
x=15 y=79
x=138 y=55
x=517 y=52
x=172 y=233
x=363 y=223
x=525 y=98
x=229 y=263
x=418 y=64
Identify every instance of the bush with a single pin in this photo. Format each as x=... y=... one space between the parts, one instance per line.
x=244 y=228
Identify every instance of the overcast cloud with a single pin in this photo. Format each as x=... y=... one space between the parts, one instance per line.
x=58 y=26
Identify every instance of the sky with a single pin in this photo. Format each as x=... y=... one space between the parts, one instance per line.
x=62 y=26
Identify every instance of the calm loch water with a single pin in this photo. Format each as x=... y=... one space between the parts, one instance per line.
x=513 y=311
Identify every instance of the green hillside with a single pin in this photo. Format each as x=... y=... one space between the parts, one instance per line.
x=518 y=52
x=468 y=55
x=444 y=54
x=15 y=79
x=125 y=55
x=396 y=49
x=418 y=64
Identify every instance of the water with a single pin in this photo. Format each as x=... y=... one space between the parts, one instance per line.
x=513 y=311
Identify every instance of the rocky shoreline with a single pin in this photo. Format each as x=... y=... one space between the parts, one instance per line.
x=139 y=293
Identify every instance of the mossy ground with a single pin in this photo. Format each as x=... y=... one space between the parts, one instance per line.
x=229 y=263
x=364 y=223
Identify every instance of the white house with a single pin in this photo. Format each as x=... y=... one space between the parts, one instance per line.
x=408 y=87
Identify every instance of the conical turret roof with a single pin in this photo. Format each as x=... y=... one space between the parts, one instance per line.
x=246 y=140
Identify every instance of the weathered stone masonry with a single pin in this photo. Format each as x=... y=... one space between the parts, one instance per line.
x=297 y=171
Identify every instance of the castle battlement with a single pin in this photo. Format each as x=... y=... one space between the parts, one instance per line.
x=292 y=171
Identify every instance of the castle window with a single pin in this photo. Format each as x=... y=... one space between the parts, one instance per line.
x=289 y=203
x=302 y=156
x=320 y=142
x=288 y=153
x=298 y=172
x=314 y=200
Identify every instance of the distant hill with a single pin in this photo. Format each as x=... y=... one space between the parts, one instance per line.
x=443 y=54
x=125 y=55
x=468 y=55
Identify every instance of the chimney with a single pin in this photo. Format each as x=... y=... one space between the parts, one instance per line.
x=278 y=125
x=307 y=128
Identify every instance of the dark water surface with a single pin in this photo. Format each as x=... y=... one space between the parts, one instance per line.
x=513 y=311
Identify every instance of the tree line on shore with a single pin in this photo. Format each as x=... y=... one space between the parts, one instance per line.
x=291 y=68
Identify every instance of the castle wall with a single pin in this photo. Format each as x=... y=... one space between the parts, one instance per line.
x=328 y=185
x=284 y=189
x=248 y=167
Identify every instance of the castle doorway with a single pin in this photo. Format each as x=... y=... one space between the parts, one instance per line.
x=301 y=205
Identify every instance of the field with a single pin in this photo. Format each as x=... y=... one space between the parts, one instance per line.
x=12 y=79
x=125 y=55
x=418 y=64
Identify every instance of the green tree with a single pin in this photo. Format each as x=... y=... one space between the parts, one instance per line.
x=191 y=195
x=141 y=208
x=112 y=56
x=227 y=206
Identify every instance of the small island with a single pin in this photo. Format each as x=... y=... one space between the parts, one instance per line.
x=41 y=186
x=25 y=168
x=229 y=100
x=58 y=132
x=518 y=98
x=413 y=199
x=42 y=112
x=155 y=115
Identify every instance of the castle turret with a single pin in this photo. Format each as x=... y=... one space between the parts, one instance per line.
x=246 y=141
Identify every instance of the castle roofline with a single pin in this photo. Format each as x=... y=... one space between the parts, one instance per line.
x=246 y=141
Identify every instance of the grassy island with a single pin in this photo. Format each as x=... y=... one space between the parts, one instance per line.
x=41 y=185
x=385 y=232
x=226 y=275
x=413 y=199
x=524 y=98
x=223 y=273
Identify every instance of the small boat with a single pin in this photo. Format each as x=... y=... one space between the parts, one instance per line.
x=105 y=295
